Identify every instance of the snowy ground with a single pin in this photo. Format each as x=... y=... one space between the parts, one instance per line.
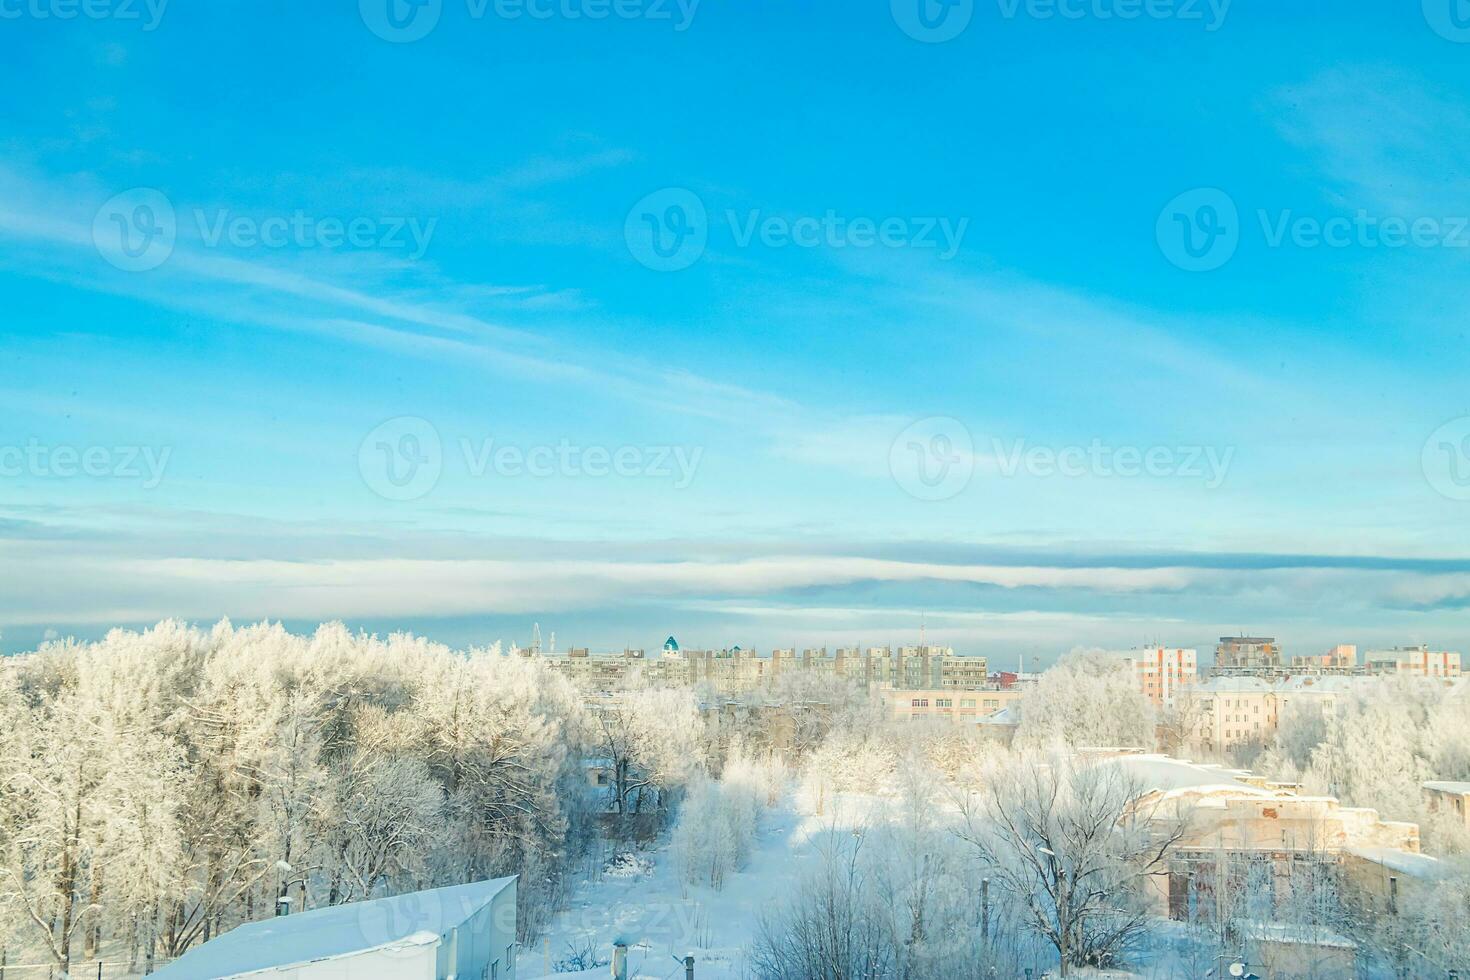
x=663 y=919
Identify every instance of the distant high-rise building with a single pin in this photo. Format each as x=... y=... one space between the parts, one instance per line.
x=1159 y=671
x=1417 y=661
x=1247 y=652
x=1342 y=658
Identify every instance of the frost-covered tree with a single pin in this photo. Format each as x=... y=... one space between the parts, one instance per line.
x=653 y=742
x=883 y=901
x=1071 y=843
x=1086 y=700
x=718 y=819
x=1369 y=756
x=159 y=787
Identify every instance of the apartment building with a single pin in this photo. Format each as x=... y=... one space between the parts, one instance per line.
x=1417 y=661
x=1341 y=658
x=1160 y=672
x=1231 y=711
x=1247 y=653
x=946 y=704
x=736 y=670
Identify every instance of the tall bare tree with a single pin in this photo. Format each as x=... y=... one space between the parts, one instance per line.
x=1074 y=843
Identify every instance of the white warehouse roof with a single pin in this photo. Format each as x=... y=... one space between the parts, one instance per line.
x=411 y=919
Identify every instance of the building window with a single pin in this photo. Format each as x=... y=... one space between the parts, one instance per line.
x=944 y=703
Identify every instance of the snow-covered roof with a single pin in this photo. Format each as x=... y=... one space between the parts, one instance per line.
x=400 y=922
x=1411 y=863
x=1448 y=786
x=1227 y=685
x=1165 y=774
x=1294 y=932
x=1299 y=684
x=1005 y=716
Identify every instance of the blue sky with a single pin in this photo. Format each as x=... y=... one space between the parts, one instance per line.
x=822 y=434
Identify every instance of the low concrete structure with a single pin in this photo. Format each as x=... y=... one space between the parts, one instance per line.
x=1446 y=796
x=1284 y=949
x=1248 y=836
x=444 y=934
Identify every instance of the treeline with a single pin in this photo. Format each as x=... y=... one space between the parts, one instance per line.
x=159 y=788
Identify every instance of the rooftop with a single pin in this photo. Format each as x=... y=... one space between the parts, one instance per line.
x=1448 y=786
x=1404 y=862
x=1164 y=774
x=403 y=921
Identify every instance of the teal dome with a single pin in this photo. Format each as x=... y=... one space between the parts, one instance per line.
x=671 y=644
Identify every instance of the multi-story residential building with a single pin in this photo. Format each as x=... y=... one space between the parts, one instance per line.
x=735 y=670
x=1159 y=671
x=1227 y=712
x=1417 y=661
x=1342 y=658
x=963 y=673
x=946 y=703
x=1247 y=653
